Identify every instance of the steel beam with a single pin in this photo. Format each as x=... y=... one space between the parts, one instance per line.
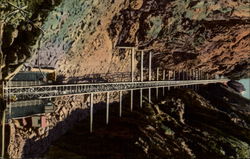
x=201 y=75
x=125 y=47
x=141 y=94
x=142 y=54
x=91 y=112
x=131 y=100
x=149 y=95
x=179 y=75
x=3 y=134
x=107 y=109
x=183 y=75
x=149 y=74
x=8 y=105
x=132 y=63
x=157 y=79
x=150 y=67
x=141 y=91
x=120 y=108
x=174 y=77
x=169 y=78
x=163 y=78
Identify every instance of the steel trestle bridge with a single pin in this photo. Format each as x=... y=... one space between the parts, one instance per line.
x=12 y=94
x=51 y=91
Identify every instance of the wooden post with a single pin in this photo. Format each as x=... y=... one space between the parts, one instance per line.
x=107 y=109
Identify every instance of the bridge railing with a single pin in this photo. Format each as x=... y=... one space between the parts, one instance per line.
x=48 y=91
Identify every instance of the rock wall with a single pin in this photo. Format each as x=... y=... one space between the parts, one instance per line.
x=210 y=35
x=22 y=22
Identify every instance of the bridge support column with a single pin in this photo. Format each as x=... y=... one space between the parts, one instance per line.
x=198 y=74
x=183 y=75
x=141 y=97
x=8 y=105
x=120 y=108
x=107 y=109
x=149 y=75
x=141 y=90
x=149 y=94
x=131 y=100
x=3 y=134
x=179 y=75
x=163 y=78
x=142 y=54
x=169 y=79
x=150 y=66
x=196 y=78
x=91 y=112
x=174 y=78
x=189 y=75
x=193 y=77
x=132 y=63
x=157 y=79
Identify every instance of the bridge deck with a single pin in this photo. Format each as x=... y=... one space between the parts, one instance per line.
x=48 y=91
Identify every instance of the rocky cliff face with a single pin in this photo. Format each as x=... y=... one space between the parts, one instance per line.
x=209 y=35
x=78 y=37
x=21 y=23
